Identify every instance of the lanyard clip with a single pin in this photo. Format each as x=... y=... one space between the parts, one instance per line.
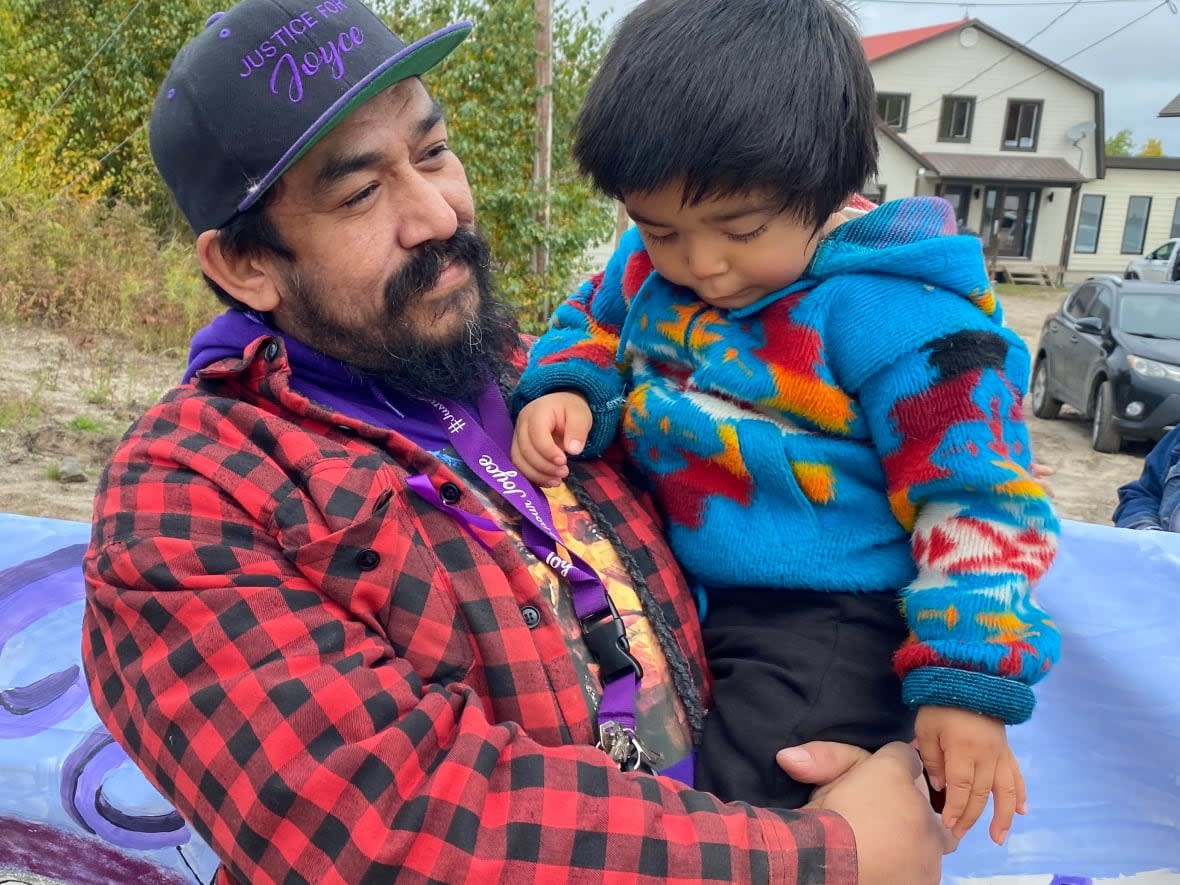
x=606 y=637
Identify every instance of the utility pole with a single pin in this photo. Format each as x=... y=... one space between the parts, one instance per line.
x=543 y=148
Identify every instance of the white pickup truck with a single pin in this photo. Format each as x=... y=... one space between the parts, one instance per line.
x=1160 y=265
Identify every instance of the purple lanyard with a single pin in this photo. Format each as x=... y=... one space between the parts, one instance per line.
x=483 y=448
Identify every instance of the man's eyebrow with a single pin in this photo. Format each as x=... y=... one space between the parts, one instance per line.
x=338 y=166
x=432 y=119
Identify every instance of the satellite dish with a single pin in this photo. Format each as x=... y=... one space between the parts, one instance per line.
x=968 y=37
x=1079 y=131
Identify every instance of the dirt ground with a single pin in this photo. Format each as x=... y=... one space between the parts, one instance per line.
x=63 y=398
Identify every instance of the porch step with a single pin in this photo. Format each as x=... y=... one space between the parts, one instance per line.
x=1028 y=274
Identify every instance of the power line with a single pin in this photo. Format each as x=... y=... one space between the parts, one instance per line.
x=992 y=3
x=37 y=125
x=97 y=163
x=1008 y=88
x=996 y=63
x=1074 y=55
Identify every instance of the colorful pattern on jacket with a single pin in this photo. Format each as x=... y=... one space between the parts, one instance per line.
x=860 y=430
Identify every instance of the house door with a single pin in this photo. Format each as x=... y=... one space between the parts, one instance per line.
x=1010 y=214
x=959 y=197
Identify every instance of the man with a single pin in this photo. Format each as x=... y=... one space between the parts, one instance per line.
x=324 y=614
x=1152 y=502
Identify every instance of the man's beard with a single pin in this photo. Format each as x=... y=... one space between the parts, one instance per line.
x=395 y=351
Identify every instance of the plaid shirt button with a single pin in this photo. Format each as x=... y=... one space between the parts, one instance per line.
x=450 y=493
x=272 y=350
x=367 y=560
x=531 y=615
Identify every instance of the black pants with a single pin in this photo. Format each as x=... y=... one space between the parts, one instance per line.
x=791 y=666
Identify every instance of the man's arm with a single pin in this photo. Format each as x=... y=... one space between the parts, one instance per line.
x=1139 y=500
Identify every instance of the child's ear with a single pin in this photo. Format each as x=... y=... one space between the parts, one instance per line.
x=250 y=279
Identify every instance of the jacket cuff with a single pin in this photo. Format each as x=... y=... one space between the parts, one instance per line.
x=1004 y=699
x=813 y=846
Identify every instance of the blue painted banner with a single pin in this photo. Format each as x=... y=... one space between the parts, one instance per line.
x=1101 y=755
x=73 y=808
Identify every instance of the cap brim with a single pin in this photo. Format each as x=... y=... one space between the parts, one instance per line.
x=415 y=60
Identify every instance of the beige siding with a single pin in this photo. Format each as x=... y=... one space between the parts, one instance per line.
x=1118 y=187
x=942 y=66
x=896 y=169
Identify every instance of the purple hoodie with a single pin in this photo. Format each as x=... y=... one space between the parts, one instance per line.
x=324 y=380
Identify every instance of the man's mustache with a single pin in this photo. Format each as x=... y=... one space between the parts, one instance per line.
x=426 y=264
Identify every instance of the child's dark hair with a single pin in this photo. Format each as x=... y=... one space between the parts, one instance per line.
x=733 y=96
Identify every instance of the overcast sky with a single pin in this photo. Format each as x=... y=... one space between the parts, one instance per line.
x=1138 y=69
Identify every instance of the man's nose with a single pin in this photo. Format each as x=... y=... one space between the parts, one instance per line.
x=427 y=214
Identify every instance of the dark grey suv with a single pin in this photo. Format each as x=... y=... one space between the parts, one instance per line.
x=1112 y=351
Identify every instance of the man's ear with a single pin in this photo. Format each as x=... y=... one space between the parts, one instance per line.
x=249 y=279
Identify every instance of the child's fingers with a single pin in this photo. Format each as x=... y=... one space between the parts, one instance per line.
x=1021 y=791
x=532 y=463
x=575 y=428
x=960 y=777
x=537 y=469
x=932 y=761
x=978 y=791
x=542 y=437
x=1004 y=800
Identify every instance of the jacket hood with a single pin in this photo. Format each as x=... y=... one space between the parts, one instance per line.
x=323 y=379
x=912 y=238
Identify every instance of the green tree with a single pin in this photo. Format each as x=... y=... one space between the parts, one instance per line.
x=1120 y=144
x=78 y=78
x=77 y=81
x=488 y=88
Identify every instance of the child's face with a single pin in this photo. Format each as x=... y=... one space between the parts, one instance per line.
x=731 y=251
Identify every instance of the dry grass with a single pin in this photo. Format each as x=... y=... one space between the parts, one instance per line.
x=93 y=269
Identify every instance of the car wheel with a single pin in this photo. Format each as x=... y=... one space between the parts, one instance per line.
x=1043 y=404
x=1104 y=436
x=1130 y=275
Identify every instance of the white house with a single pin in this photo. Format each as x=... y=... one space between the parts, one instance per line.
x=1015 y=142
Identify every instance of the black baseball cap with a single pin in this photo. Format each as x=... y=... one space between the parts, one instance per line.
x=261 y=84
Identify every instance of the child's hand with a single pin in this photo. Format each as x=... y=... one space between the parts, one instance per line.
x=548 y=429
x=968 y=754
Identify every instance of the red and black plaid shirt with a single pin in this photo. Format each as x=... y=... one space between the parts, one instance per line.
x=334 y=683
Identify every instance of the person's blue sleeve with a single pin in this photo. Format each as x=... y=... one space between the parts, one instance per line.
x=1139 y=500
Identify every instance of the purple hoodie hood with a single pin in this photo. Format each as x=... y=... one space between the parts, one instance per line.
x=324 y=380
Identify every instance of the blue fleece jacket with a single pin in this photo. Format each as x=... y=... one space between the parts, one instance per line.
x=860 y=430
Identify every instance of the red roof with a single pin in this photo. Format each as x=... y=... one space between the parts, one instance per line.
x=880 y=45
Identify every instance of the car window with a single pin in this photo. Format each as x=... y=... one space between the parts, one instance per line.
x=1163 y=252
x=1079 y=302
x=1149 y=313
x=1100 y=308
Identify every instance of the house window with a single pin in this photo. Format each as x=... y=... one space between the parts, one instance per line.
x=1024 y=121
x=1089 y=223
x=1175 y=221
x=893 y=109
x=1135 y=227
x=955 y=122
